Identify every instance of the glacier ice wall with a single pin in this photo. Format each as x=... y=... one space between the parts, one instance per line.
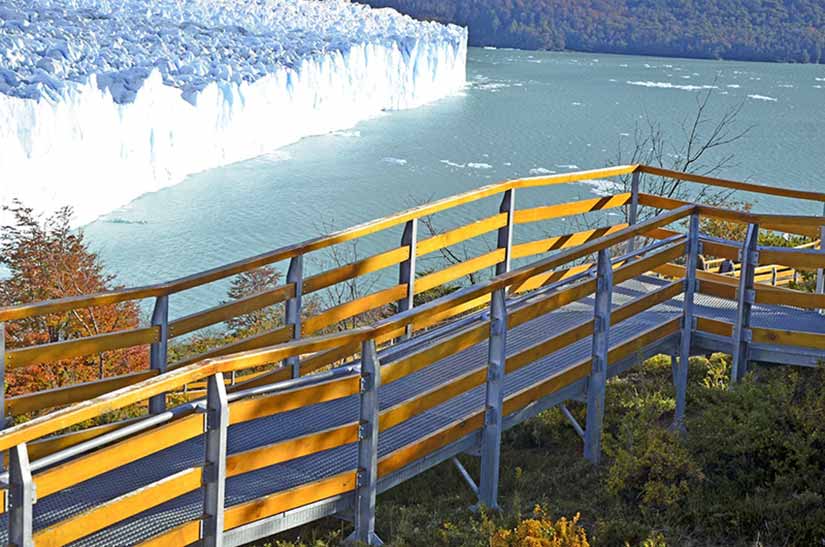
x=102 y=101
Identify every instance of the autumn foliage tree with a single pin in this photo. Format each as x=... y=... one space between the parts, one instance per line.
x=46 y=259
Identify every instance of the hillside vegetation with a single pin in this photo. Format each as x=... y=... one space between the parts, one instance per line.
x=764 y=30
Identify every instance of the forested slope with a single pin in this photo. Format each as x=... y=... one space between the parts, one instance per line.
x=767 y=30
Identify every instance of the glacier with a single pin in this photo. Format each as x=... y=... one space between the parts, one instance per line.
x=102 y=101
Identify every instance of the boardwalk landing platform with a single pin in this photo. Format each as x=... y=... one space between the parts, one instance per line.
x=275 y=452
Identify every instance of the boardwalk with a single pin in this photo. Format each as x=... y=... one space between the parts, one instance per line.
x=297 y=440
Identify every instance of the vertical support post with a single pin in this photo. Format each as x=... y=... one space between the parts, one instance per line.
x=773 y=276
x=367 y=449
x=157 y=352
x=406 y=270
x=598 y=375
x=681 y=371
x=505 y=233
x=295 y=275
x=633 y=213
x=820 y=273
x=491 y=434
x=2 y=379
x=745 y=298
x=21 y=497
x=214 y=469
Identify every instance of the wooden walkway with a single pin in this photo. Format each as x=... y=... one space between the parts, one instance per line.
x=291 y=440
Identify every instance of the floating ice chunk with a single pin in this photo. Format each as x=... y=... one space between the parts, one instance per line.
x=479 y=166
x=538 y=171
x=453 y=164
x=669 y=85
x=395 y=161
x=602 y=187
x=763 y=98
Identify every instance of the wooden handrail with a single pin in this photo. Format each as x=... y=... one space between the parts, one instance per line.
x=21 y=311
x=732 y=184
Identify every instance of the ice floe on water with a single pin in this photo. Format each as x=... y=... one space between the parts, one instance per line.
x=453 y=164
x=103 y=100
x=670 y=85
x=538 y=171
x=602 y=187
x=762 y=98
x=568 y=166
x=346 y=134
x=395 y=161
x=479 y=166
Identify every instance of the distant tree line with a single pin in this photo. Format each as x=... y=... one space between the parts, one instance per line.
x=751 y=30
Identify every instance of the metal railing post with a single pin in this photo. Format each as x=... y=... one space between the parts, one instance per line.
x=157 y=352
x=598 y=375
x=2 y=379
x=406 y=270
x=295 y=275
x=21 y=497
x=493 y=409
x=214 y=469
x=681 y=370
x=633 y=213
x=366 y=489
x=820 y=273
x=505 y=233
x=745 y=299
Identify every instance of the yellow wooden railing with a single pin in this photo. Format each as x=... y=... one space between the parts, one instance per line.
x=561 y=257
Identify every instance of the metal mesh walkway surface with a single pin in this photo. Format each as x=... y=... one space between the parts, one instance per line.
x=291 y=424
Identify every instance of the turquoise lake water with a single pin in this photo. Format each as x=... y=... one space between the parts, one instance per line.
x=522 y=114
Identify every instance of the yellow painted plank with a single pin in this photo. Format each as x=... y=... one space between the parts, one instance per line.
x=546 y=347
x=251 y=409
x=800 y=259
x=120 y=508
x=646 y=338
x=559 y=380
x=264 y=456
x=432 y=353
x=714 y=326
x=635 y=268
x=279 y=502
x=400 y=457
x=783 y=337
x=774 y=189
x=264 y=339
x=551 y=302
x=639 y=305
x=128 y=450
x=230 y=310
x=546 y=212
x=423 y=402
x=457 y=271
x=548 y=278
x=186 y=533
x=56 y=351
x=462 y=233
x=567 y=241
x=355 y=307
x=355 y=269
x=23 y=404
